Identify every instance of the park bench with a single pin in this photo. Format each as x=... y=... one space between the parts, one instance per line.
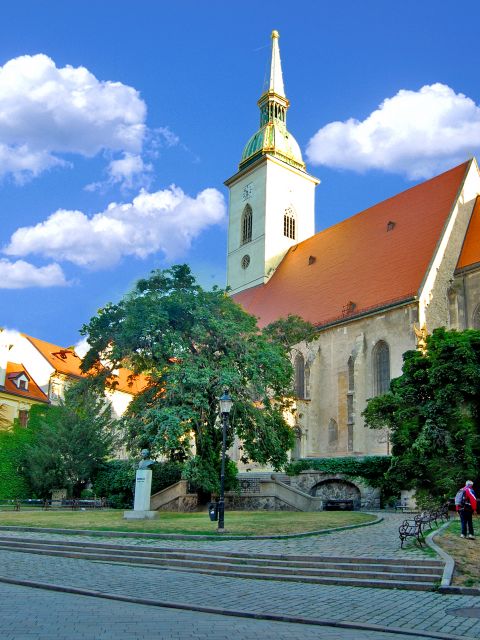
x=411 y=529
x=401 y=506
x=338 y=505
x=415 y=528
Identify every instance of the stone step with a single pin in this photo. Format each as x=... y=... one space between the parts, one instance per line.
x=308 y=559
x=226 y=565
x=345 y=573
x=177 y=557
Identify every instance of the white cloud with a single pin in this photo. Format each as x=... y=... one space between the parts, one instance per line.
x=128 y=169
x=46 y=110
x=81 y=347
x=415 y=133
x=21 y=274
x=164 y=221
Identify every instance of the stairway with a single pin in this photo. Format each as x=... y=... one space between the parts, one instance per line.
x=358 y=572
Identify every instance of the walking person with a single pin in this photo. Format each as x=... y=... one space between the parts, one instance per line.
x=466 y=505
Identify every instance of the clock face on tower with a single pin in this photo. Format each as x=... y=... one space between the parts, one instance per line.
x=247 y=192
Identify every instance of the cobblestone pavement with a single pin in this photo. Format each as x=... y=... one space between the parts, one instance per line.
x=378 y=540
x=410 y=610
x=31 y=614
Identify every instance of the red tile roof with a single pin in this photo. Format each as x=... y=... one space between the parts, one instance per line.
x=66 y=361
x=32 y=393
x=62 y=360
x=470 y=254
x=375 y=258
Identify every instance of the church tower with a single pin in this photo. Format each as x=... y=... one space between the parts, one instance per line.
x=272 y=197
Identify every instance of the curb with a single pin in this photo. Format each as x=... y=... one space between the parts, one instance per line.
x=449 y=561
x=446 y=583
x=319 y=622
x=179 y=536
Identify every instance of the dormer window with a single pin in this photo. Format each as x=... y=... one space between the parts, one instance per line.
x=21 y=382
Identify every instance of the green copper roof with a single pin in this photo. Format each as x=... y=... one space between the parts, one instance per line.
x=274 y=139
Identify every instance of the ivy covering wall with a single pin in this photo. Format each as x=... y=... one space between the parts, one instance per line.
x=371 y=469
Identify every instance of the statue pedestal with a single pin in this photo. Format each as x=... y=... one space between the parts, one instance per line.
x=143 y=490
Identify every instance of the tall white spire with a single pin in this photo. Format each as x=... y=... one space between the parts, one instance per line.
x=276 y=78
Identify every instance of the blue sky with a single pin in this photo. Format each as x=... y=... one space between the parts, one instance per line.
x=105 y=105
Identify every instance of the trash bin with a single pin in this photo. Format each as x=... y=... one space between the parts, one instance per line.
x=213 y=511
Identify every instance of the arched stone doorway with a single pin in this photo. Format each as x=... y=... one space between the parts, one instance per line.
x=337 y=489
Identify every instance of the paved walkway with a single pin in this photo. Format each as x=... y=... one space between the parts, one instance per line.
x=375 y=541
x=30 y=614
x=407 y=610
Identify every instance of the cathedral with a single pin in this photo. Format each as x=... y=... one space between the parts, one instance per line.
x=374 y=285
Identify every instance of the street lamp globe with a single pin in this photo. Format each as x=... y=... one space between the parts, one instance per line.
x=225 y=402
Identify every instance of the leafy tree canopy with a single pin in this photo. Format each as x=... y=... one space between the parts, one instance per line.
x=433 y=412
x=192 y=344
x=70 y=441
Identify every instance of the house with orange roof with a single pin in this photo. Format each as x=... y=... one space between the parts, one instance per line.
x=50 y=368
x=18 y=392
x=374 y=284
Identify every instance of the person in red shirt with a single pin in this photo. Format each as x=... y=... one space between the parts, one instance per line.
x=466 y=510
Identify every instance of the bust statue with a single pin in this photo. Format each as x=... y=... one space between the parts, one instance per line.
x=145 y=462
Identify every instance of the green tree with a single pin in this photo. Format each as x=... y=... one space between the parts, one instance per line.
x=433 y=413
x=192 y=344
x=70 y=441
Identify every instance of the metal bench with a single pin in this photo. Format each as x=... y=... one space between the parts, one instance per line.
x=411 y=529
x=338 y=505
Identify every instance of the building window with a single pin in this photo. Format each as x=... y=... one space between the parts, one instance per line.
x=299 y=376
x=332 y=433
x=289 y=223
x=476 y=318
x=23 y=417
x=350 y=394
x=351 y=374
x=245 y=261
x=307 y=382
x=247 y=216
x=381 y=368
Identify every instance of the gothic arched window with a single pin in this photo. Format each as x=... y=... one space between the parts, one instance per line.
x=351 y=374
x=381 y=368
x=247 y=216
x=332 y=433
x=289 y=223
x=476 y=317
x=307 y=382
x=350 y=393
x=299 y=376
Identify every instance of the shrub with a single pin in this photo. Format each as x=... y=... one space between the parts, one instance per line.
x=13 y=443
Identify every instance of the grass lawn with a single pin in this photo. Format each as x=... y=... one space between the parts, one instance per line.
x=236 y=522
x=465 y=552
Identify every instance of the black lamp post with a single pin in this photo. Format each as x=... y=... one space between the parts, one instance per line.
x=225 y=403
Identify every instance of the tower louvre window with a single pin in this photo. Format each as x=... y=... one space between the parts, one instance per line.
x=289 y=230
x=247 y=217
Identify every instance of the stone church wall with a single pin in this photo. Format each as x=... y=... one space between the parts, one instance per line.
x=326 y=412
